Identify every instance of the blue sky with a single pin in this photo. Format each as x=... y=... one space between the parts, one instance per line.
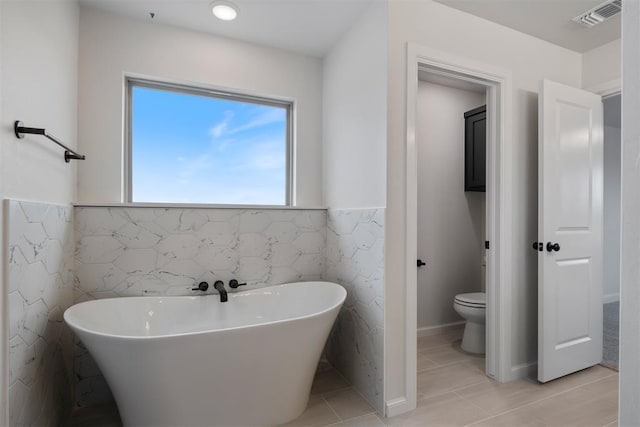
x=198 y=149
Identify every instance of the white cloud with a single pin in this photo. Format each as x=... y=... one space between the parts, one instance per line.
x=219 y=129
x=267 y=117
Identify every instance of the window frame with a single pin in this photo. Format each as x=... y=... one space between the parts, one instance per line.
x=218 y=93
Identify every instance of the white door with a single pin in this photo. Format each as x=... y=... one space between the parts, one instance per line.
x=570 y=223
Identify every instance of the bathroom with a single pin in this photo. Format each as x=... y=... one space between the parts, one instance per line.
x=452 y=228
x=74 y=240
x=68 y=226
x=451 y=139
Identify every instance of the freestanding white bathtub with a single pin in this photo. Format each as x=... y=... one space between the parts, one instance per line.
x=194 y=361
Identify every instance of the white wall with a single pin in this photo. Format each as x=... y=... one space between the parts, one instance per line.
x=4 y=311
x=630 y=252
x=450 y=220
x=612 y=143
x=601 y=65
x=39 y=77
x=111 y=46
x=530 y=60
x=38 y=85
x=611 y=264
x=355 y=114
x=354 y=173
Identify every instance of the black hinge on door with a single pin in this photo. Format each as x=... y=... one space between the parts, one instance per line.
x=486 y=244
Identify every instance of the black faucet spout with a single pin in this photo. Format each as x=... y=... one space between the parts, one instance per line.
x=219 y=286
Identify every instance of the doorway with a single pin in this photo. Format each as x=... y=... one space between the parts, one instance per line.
x=497 y=83
x=451 y=298
x=499 y=259
x=611 y=261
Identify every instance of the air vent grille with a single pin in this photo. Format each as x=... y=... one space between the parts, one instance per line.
x=600 y=13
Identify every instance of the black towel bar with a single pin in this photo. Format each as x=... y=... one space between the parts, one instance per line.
x=20 y=130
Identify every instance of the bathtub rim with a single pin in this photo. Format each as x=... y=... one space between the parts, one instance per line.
x=74 y=325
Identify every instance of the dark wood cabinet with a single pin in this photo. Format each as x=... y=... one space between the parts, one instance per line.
x=475 y=149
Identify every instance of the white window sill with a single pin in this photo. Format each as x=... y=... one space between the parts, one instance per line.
x=192 y=206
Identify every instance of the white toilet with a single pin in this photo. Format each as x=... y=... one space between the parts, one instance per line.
x=472 y=307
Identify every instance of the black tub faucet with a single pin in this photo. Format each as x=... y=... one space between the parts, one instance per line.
x=219 y=286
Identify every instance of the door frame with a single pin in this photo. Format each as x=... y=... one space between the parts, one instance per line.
x=499 y=213
x=608 y=88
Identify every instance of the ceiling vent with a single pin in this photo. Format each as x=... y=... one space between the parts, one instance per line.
x=599 y=13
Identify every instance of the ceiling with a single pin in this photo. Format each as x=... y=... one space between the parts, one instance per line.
x=549 y=20
x=309 y=27
x=312 y=27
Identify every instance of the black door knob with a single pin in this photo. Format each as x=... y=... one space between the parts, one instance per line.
x=552 y=247
x=420 y=263
x=537 y=246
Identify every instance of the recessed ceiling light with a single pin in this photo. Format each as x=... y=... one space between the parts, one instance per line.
x=224 y=10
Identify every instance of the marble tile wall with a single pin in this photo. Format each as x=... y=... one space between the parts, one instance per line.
x=355 y=259
x=40 y=288
x=123 y=251
x=150 y=251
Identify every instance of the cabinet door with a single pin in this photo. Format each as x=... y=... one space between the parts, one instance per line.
x=475 y=149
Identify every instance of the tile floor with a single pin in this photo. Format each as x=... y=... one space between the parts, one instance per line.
x=454 y=391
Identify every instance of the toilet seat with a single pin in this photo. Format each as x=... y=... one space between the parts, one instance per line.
x=474 y=299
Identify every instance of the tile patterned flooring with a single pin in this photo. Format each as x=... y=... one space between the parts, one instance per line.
x=454 y=391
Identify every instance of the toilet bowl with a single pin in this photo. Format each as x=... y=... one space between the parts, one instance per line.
x=472 y=307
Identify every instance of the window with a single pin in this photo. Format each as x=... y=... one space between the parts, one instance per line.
x=193 y=145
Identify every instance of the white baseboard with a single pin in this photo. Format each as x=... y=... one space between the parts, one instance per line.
x=426 y=331
x=610 y=298
x=524 y=370
x=397 y=406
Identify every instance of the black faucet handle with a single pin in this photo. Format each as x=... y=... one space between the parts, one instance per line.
x=202 y=286
x=233 y=283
